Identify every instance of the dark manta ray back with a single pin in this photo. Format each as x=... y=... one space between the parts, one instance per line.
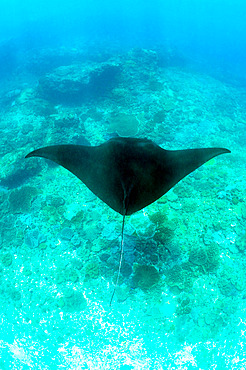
x=126 y=173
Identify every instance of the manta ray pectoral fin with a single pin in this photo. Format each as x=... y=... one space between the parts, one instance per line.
x=127 y=171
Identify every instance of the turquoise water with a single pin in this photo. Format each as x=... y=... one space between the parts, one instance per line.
x=180 y=302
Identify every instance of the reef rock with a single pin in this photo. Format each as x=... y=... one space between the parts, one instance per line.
x=74 y=83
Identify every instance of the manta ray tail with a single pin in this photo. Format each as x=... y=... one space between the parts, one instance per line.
x=121 y=257
x=125 y=207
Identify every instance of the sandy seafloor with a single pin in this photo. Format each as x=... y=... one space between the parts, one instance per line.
x=181 y=299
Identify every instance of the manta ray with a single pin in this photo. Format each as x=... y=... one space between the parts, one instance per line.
x=127 y=174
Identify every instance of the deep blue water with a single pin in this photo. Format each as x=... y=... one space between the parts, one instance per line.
x=211 y=32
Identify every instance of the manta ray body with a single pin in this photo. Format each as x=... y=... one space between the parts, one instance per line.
x=127 y=174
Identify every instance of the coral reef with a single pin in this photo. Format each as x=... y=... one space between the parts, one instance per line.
x=69 y=274
x=180 y=277
x=34 y=238
x=92 y=270
x=75 y=83
x=54 y=201
x=205 y=256
x=184 y=304
x=145 y=277
x=163 y=234
x=20 y=176
x=15 y=295
x=30 y=103
x=230 y=281
x=20 y=199
x=124 y=124
x=159 y=218
x=213 y=254
x=155 y=85
x=241 y=243
x=226 y=287
x=72 y=301
x=198 y=256
x=6 y=259
x=159 y=116
x=142 y=225
x=66 y=233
